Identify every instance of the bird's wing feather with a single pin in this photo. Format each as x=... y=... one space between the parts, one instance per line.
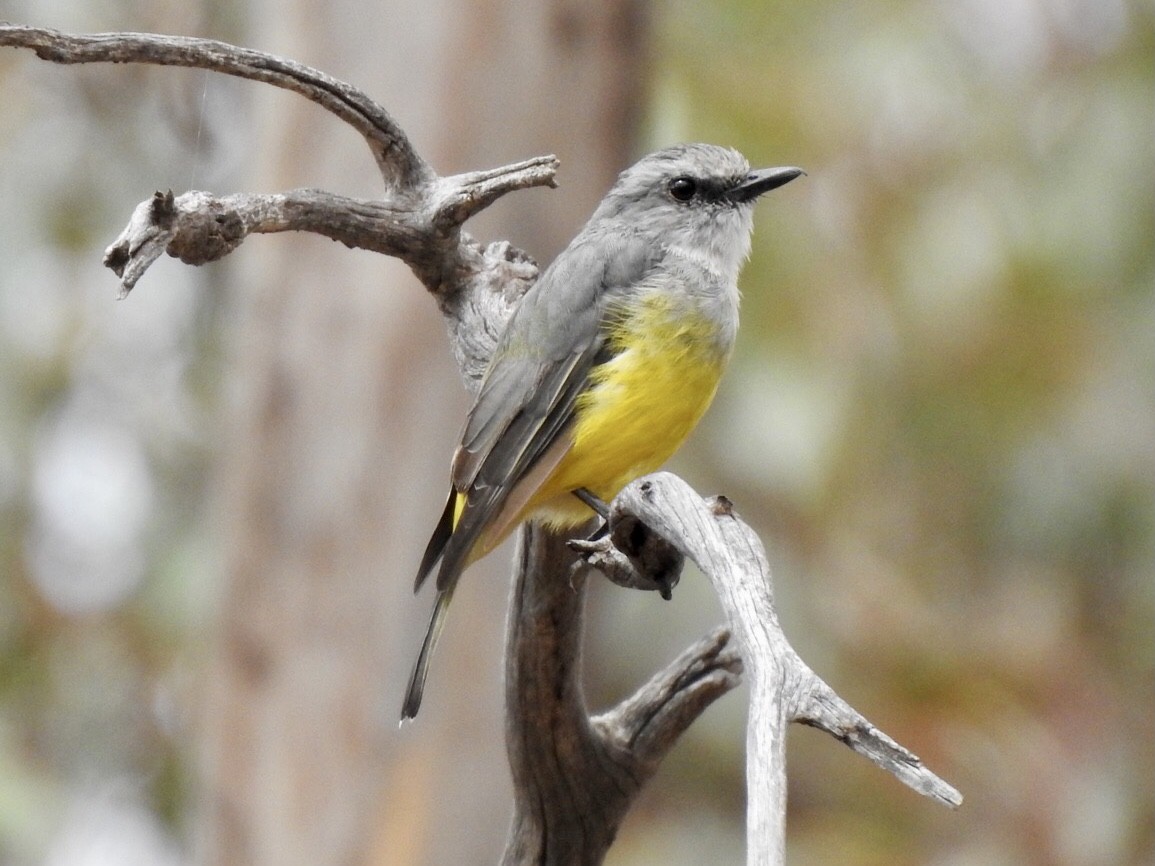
x=552 y=340
x=437 y=540
x=540 y=366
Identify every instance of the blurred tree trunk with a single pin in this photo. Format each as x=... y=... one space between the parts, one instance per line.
x=340 y=422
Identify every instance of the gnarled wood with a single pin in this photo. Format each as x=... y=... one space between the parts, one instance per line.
x=575 y=777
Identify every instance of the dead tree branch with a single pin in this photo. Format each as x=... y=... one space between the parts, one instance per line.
x=783 y=688
x=418 y=221
x=399 y=163
x=574 y=776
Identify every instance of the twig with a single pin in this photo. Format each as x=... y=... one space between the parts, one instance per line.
x=198 y=227
x=399 y=163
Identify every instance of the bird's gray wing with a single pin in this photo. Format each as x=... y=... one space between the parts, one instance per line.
x=532 y=429
x=541 y=365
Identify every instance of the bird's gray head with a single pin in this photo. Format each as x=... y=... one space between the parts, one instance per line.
x=697 y=198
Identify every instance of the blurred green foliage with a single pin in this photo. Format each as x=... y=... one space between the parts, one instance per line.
x=943 y=409
x=941 y=417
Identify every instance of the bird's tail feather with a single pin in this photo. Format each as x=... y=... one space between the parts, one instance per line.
x=416 y=688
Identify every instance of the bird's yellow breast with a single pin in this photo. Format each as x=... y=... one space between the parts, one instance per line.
x=640 y=406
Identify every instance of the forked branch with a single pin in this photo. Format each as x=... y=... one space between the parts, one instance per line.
x=419 y=220
x=783 y=687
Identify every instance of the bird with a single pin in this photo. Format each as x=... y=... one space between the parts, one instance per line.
x=605 y=366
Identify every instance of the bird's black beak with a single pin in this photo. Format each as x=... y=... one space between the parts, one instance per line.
x=762 y=180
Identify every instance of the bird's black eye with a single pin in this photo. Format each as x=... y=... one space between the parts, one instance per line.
x=683 y=188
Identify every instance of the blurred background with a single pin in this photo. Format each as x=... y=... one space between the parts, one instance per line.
x=940 y=418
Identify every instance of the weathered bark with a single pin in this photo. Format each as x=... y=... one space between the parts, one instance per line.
x=575 y=777
x=662 y=510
